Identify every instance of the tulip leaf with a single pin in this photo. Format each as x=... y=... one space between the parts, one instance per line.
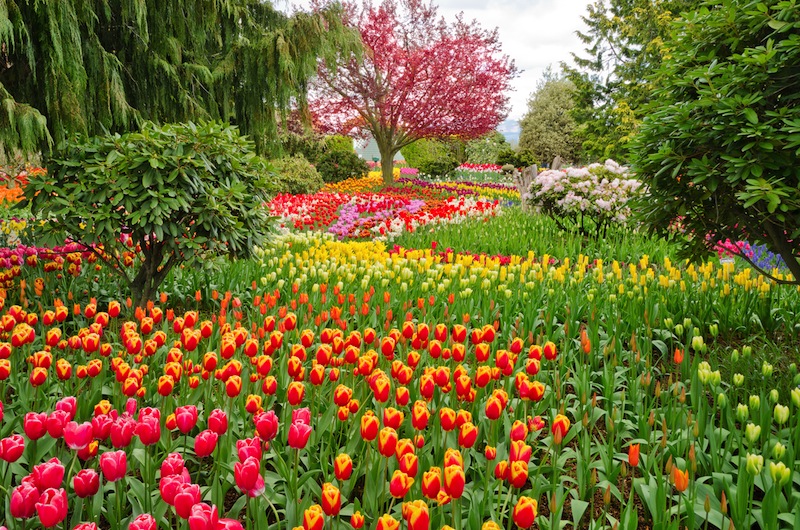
x=578 y=509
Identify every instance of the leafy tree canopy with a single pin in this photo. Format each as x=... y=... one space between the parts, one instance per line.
x=720 y=147
x=419 y=78
x=170 y=195
x=548 y=128
x=89 y=66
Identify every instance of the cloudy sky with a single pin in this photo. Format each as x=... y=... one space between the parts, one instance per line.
x=535 y=33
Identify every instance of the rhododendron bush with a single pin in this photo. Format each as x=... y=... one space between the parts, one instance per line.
x=587 y=198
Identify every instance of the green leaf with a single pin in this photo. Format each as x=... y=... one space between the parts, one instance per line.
x=751 y=115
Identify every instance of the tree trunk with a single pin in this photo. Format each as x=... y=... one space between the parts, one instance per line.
x=387 y=162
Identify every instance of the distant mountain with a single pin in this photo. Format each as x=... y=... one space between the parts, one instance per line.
x=510 y=129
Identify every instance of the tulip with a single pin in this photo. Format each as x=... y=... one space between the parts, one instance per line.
x=369 y=426
x=52 y=507
x=23 y=501
x=302 y=415
x=48 y=475
x=357 y=520
x=148 y=429
x=78 y=435
x=525 y=512
x=218 y=421
x=85 y=526
x=114 y=465
x=387 y=441
x=186 y=497
x=229 y=524
x=447 y=417
x=454 y=481
x=11 y=448
x=408 y=464
x=313 y=518
x=203 y=517
x=681 y=478
x=387 y=522
x=248 y=447
x=186 y=418
x=754 y=465
x=144 y=521
x=560 y=428
x=400 y=484
x=170 y=485
x=432 y=482
x=295 y=393
x=266 y=425
x=343 y=466
x=298 y=435
x=467 y=435
x=35 y=425
x=205 y=443
x=518 y=473
x=331 y=500
x=633 y=455
x=417 y=515
x=56 y=422
x=248 y=476
x=122 y=431
x=173 y=464
x=86 y=483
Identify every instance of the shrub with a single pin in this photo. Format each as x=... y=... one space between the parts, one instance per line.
x=432 y=157
x=172 y=194
x=586 y=199
x=336 y=165
x=484 y=150
x=518 y=158
x=297 y=175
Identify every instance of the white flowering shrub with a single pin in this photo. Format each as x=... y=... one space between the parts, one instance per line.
x=587 y=198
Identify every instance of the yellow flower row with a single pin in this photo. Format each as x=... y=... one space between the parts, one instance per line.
x=356 y=184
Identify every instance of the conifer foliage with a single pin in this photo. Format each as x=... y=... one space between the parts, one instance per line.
x=89 y=66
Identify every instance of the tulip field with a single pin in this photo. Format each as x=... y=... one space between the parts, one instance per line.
x=419 y=356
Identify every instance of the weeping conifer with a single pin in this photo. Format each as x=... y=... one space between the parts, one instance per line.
x=90 y=66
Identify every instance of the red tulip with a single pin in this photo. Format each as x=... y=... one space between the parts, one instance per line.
x=447 y=417
x=78 y=435
x=248 y=476
x=86 y=483
x=400 y=484
x=23 y=501
x=298 y=435
x=229 y=524
x=203 y=517
x=295 y=393
x=417 y=515
x=122 y=431
x=187 y=496
x=432 y=482
x=186 y=418
x=56 y=422
x=518 y=473
x=85 y=526
x=148 y=429
x=302 y=415
x=205 y=443
x=357 y=520
x=408 y=464
x=144 y=521
x=520 y=451
x=52 y=507
x=560 y=428
x=173 y=464
x=454 y=481
x=169 y=486
x=35 y=425
x=248 y=447
x=266 y=424
x=114 y=465
x=387 y=522
x=218 y=421
x=387 y=441
x=467 y=435
x=48 y=475
x=369 y=426
x=633 y=455
x=12 y=447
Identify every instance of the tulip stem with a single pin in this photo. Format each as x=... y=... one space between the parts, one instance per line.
x=119 y=503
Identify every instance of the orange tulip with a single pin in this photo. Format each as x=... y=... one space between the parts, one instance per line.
x=518 y=473
x=387 y=522
x=677 y=356
x=357 y=520
x=560 y=428
x=313 y=518
x=387 y=441
x=680 y=478
x=400 y=484
x=331 y=500
x=369 y=426
x=417 y=515
x=633 y=455
x=454 y=481
x=447 y=417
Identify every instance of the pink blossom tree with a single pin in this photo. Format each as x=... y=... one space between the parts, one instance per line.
x=418 y=77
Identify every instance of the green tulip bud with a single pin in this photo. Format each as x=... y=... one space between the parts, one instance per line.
x=735 y=356
x=778 y=451
x=738 y=379
x=715 y=378
x=755 y=402
x=755 y=463
x=713 y=329
x=678 y=330
x=793 y=369
x=722 y=400
x=780 y=473
x=766 y=369
x=796 y=397
x=742 y=412
x=687 y=322
x=780 y=413
x=697 y=342
x=747 y=351
x=774 y=396
x=752 y=432
x=668 y=323
x=611 y=298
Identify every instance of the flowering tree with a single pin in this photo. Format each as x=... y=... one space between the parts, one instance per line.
x=418 y=78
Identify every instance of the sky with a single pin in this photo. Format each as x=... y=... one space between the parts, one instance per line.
x=534 y=33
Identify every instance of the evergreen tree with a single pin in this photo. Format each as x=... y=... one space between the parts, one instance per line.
x=85 y=66
x=624 y=43
x=548 y=128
